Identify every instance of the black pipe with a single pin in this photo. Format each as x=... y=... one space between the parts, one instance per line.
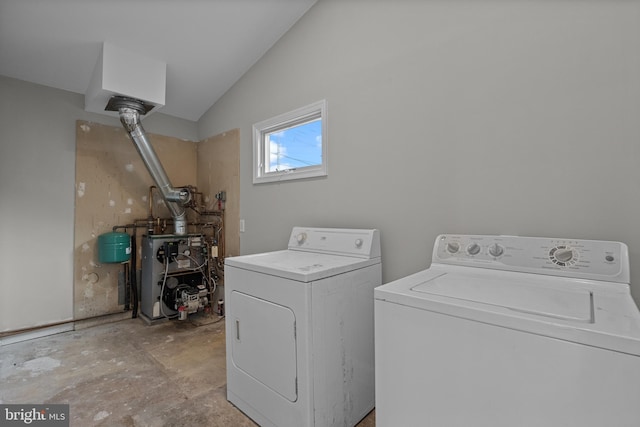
x=127 y=285
x=134 y=275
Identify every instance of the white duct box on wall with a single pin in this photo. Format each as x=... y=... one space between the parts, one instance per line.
x=121 y=72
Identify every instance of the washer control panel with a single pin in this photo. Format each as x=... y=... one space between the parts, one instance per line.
x=591 y=259
x=340 y=241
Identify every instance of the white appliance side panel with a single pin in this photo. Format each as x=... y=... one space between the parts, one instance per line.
x=435 y=369
x=264 y=343
x=343 y=369
x=265 y=406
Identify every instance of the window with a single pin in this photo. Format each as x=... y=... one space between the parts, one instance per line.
x=292 y=145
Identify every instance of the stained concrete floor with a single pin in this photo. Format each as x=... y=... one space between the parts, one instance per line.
x=127 y=373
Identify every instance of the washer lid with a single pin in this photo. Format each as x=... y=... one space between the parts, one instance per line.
x=526 y=295
x=299 y=265
x=599 y=314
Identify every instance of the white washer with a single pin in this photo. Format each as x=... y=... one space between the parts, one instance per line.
x=299 y=329
x=510 y=331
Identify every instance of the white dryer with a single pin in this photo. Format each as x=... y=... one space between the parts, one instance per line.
x=299 y=329
x=510 y=331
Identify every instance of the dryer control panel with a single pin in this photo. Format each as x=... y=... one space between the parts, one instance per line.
x=588 y=259
x=339 y=241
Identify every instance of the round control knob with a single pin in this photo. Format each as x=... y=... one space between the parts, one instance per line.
x=453 y=247
x=359 y=243
x=496 y=250
x=301 y=237
x=564 y=255
x=473 y=249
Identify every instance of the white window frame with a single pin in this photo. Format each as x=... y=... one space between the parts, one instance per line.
x=261 y=151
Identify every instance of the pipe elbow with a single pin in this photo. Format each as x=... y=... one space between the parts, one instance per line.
x=181 y=196
x=129 y=118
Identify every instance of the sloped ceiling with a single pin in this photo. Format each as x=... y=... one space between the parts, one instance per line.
x=207 y=44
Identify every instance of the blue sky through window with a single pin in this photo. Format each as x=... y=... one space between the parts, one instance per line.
x=296 y=147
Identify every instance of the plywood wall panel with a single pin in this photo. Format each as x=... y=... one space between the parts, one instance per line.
x=219 y=170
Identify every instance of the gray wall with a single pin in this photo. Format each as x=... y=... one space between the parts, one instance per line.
x=485 y=117
x=37 y=180
x=460 y=116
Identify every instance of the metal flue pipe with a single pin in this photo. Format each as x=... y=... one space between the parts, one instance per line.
x=175 y=198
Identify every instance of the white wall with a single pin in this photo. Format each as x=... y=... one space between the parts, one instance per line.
x=37 y=170
x=487 y=117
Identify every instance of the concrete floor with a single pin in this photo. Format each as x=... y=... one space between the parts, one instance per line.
x=126 y=373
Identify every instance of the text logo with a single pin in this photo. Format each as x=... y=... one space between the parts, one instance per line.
x=54 y=415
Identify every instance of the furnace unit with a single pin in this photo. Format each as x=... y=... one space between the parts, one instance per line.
x=174 y=276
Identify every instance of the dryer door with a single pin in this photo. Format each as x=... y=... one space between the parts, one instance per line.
x=264 y=343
